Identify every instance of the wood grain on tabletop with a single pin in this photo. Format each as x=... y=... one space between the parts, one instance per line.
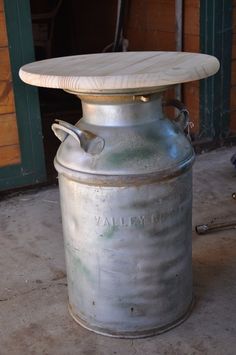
x=109 y=72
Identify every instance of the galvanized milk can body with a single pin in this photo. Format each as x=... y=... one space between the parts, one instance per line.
x=125 y=185
x=126 y=209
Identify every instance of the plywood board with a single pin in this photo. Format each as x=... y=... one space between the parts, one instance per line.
x=192 y=102
x=191 y=19
x=8 y=130
x=152 y=15
x=234 y=46
x=233 y=121
x=191 y=43
x=150 y=40
x=3 y=32
x=233 y=72
x=234 y=20
x=233 y=98
x=1 y=6
x=9 y=155
x=5 y=66
x=7 y=104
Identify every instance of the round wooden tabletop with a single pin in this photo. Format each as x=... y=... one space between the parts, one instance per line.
x=108 y=73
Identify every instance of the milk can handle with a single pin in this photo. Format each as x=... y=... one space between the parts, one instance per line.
x=182 y=120
x=89 y=142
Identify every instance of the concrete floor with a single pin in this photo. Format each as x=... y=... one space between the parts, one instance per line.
x=33 y=289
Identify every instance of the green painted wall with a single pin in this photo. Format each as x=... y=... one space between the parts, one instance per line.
x=216 y=39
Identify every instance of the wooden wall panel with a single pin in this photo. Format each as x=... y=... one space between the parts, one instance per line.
x=1 y=6
x=233 y=73
x=151 y=26
x=234 y=18
x=234 y=33
x=233 y=98
x=3 y=33
x=233 y=120
x=151 y=40
x=152 y=15
x=234 y=47
x=191 y=17
x=192 y=101
x=191 y=43
x=9 y=141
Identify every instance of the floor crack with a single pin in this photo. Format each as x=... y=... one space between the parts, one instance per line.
x=32 y=290
x=133 y=347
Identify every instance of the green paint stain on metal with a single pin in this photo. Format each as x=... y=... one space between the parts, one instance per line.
x=129 y=155
x=108 y=234
x=80 y=266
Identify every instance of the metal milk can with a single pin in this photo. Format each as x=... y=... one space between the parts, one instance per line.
x=126 y=188
x=126 y=199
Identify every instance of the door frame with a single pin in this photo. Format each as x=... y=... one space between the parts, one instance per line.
x=31 y=170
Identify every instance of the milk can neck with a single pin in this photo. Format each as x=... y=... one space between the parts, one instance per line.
x=121 y=110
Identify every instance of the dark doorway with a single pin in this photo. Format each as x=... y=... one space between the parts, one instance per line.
x=63 y=28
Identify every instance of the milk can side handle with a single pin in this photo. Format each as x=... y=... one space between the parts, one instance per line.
x=182 y=120
x=88 y=141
